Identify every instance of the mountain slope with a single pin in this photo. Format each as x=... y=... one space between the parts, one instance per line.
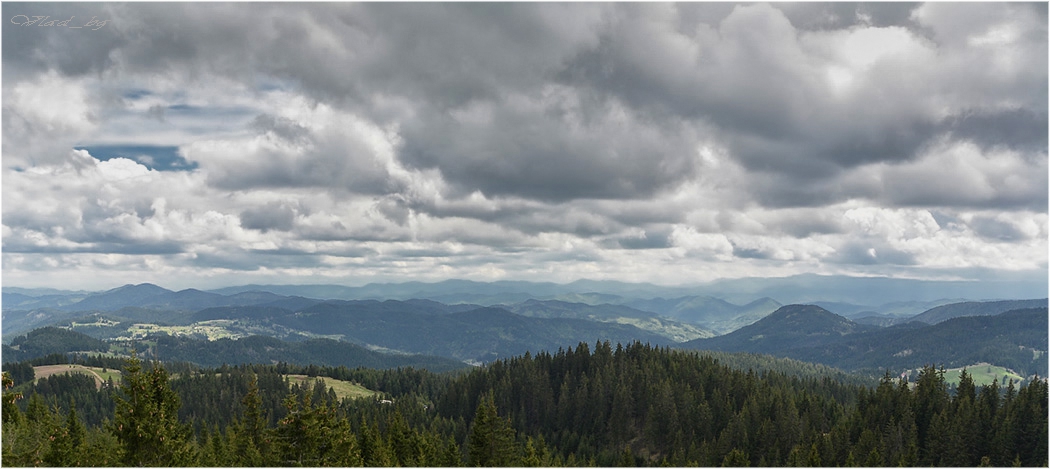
x=785 y=328
x=324 y=352
x=1015 y=339
x=714 y=314
x=481 y=334
x=48 y=340
x=127 y=295
x=974 y=308
x=645 y=320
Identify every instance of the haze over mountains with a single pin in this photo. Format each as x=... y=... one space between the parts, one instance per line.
x=476 y=322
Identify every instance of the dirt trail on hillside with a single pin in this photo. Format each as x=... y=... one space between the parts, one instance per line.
x=49 y=370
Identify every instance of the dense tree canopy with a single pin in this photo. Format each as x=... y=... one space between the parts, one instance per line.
x=623 y=405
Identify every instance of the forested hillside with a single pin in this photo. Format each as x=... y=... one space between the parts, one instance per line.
x=974 y=308
x=323 y=352
x=1014 y=339
x=589 y=405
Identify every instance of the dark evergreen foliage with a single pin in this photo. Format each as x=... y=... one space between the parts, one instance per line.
x=628 y=405
x=51 y=340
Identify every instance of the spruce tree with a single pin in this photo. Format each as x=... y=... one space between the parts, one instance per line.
x=147 y=420
x=66 y=441
x=491 y=442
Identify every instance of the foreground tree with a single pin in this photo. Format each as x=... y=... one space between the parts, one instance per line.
x=147 y=420
x=491 y=438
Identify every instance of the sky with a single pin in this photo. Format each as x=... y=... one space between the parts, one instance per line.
x=213 y=144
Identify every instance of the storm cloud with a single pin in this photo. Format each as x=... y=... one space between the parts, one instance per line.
x=658 y=141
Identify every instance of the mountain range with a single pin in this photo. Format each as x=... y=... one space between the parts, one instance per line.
x=510 y=318
x=1015 y=339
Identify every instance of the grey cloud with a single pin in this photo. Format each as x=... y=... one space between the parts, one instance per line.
x=871 y=253
x=334 y=161
x=311 y=257
x=652 y=239
x=947 y=189
x=108 y=245
x=282 y=127
x=156 y=112
x=337 y=231
x=540 y=155
x=395 y=209
x=576 y=119
x=756 y=86
x=840 y=15
x=749 y=253
x=1021 y=129
x=995 y=230
x=28 y=50
x=273 y=216
x=239 y=261
x=804 y=223
x=733 y=71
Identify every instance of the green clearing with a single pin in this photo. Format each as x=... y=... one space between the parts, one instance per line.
x=983 y=374
x=342 y=388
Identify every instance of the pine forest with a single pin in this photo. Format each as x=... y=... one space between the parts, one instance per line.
x=591 y=405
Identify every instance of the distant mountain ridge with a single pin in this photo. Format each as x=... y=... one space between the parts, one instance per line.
x=797 y=289
x=1016 y=339
x=973 y=308
x=254 y=349
x=785 y=328
x=480 y=334
x=718 y=315
x=437 y=319
x=646 y=320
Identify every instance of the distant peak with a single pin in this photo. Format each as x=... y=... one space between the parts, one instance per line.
x=141 y=286
x=791 y=310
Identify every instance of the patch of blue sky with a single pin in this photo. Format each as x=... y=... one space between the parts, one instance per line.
x=136 y=93
x=190 y=110
x=266 y=83
x=174 y=125
x=155 y=157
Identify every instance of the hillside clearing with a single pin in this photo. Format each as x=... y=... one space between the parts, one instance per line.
x=100 y=375
x=342 y=388
x=983 y=374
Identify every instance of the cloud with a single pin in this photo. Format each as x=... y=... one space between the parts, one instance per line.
x=158 y=157
x=550 y=146
x=632 y=141
x=960 y=174
x=43 y=117
x=328 y=149
x=273 y=216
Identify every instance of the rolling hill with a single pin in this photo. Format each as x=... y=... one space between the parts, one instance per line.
x=322 y=352
x=973 y=308
x=714 y=314
x=645 y=320
x=481 y=334
x=1015 y=339
x=785 y=328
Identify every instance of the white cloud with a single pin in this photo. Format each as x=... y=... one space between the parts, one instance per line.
x=43 y=118
x=647 y=142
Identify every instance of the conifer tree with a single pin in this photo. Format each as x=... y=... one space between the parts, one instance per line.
x=10 y=411
x=491 y=441
x=736 y=458
x=147 y=420
x=66 y=441
x=248 y=436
